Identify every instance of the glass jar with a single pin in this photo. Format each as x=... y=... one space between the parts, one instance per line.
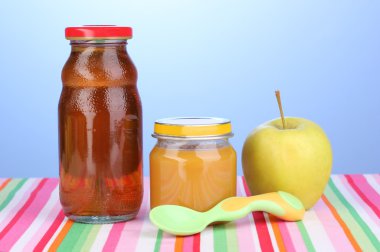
x=100 y=128
x=192 y=164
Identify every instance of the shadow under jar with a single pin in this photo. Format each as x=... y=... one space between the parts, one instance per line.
x=100 y=128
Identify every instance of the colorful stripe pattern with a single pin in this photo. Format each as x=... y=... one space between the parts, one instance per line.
x=346 y=218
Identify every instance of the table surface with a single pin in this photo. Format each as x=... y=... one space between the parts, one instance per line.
x=346 y=218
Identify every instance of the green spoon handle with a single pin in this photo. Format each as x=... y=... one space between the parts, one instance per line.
x=283 y=205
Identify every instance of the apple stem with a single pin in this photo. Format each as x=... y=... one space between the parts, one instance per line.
x=278 y=96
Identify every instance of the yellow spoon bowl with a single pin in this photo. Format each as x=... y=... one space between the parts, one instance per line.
x=178 y=220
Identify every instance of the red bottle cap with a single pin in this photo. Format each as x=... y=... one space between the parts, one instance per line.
x=92 y=32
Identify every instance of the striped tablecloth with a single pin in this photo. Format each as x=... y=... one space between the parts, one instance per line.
x=346 y=218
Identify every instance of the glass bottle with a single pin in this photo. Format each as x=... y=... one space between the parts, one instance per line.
x=100 y=128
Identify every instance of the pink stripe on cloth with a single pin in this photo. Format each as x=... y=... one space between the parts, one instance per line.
x=285 y=236
x=188 y=243
x=131 y=233
x=368 y=194
x=377 y=178
x=243 y=229
x=30 y=213
x=359 y=199
x=296 y=236
x=114 y=236
x=20 y=204
x=167 y=242
x=332 y=227
x=44 y=227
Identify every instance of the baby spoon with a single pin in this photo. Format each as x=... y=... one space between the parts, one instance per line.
x=179 y=220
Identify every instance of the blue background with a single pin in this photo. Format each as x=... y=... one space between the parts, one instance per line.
x=207 y=58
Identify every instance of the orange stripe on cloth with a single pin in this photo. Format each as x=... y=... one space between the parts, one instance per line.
x=6 y=182
x=346 y=230
x=178 y=244
x=277 y=233
x=58 y=240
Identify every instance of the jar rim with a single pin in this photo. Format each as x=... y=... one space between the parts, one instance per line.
x=193 y=127
x=96 y=42
x=187 y=138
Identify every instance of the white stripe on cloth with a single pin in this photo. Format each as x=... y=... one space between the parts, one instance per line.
x=148 y=233
x=252 y=224
x=207 y=239
x=147 y=236
x=320 y=240
x=101 y=238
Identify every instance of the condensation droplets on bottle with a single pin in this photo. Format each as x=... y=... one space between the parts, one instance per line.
x=100 y=128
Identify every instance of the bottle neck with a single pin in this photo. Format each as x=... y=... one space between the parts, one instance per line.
x=99 y=45
x=99 y=63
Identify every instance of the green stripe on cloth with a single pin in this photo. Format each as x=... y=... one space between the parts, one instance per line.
x=83 y=237
x=220 y=238
x=354 y=227
x=91 y=238
x=8 y=188
x=375 y=242
x=77 y=233
x=157 y=245
x=305 y=236
x=232 y=238
x=9 y=192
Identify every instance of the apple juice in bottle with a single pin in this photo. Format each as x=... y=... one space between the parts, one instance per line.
x=100 y=128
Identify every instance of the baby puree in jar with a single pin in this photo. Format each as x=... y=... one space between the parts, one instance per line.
x=193 y=163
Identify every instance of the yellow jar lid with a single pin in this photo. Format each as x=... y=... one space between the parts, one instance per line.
x=192 y=127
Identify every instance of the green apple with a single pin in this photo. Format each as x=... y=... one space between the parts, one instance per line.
x=297 y=159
